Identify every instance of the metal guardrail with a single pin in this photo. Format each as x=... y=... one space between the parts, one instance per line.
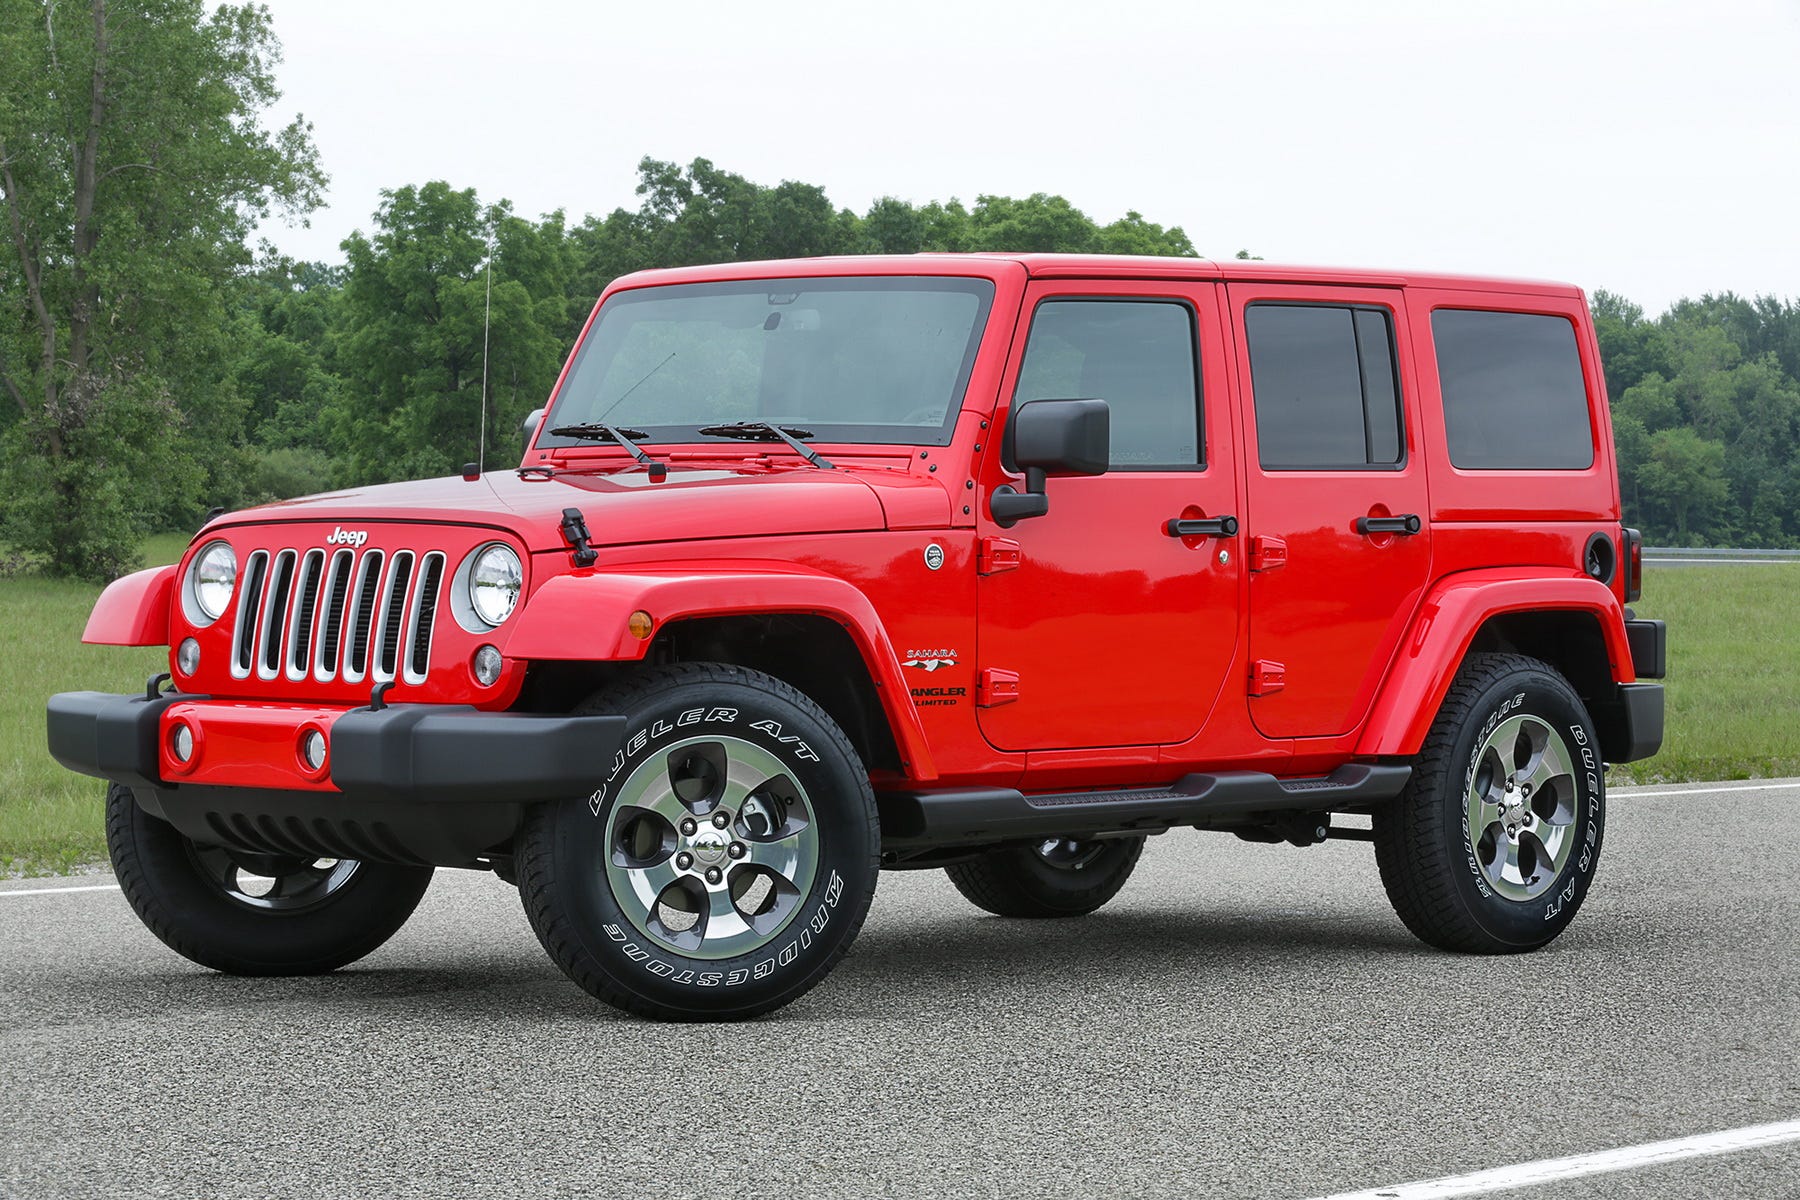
x=1652 y=553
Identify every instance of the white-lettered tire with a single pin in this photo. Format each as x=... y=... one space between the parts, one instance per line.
x=254 y=914
x=1057 y=877
x=726 y=859
x=1492 y=847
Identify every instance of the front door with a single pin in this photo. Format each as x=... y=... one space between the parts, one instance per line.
x=1339 y=541
x=1099 y=626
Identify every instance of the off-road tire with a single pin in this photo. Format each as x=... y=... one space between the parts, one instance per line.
x=602 y=941
x=1424 y=843
x=160 y=874
x=1020 y=881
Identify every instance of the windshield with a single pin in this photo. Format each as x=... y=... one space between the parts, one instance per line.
x=849 y=360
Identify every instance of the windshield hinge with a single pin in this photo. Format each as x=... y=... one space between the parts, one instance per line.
x=575 y=532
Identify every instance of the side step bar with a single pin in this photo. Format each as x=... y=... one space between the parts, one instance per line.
x=916 y=820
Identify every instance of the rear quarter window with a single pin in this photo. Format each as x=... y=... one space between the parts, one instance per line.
x=1514 y=397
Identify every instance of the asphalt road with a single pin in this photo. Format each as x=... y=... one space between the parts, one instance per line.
x=1243 y=1021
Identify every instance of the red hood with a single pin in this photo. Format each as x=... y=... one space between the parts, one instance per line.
x=622 y=506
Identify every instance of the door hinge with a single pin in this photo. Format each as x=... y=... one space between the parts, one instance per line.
x=1267 y=553
x=996 y=687
x=997 y=554
x=1267 y=677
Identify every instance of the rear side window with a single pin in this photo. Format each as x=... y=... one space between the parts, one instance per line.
x=1324 y=381
x=1138 y=356
x=1514 y=398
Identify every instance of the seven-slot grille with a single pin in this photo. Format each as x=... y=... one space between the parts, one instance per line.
x=361 y=615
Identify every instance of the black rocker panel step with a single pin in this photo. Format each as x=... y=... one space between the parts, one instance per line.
x=972 y=816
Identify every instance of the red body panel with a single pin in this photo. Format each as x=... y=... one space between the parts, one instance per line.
x=1331 y=614
x=133 y=610
x=1099 y=580
x=1136 y=655
x=247 y=745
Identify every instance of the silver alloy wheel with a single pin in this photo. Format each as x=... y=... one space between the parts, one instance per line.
x=711 y=846
x=273 y=883
x=1522 y=807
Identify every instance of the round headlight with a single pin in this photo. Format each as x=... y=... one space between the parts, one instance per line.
x=215 y=579
x=494 y=583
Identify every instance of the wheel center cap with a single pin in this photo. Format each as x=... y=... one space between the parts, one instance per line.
x=709 y=847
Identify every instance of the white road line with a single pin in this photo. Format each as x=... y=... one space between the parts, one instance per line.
x=1554 y=1170
x=1724 y=562
x=98 y=887
x=1692 y=789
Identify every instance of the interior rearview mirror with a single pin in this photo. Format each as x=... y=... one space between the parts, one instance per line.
x=1045 y=438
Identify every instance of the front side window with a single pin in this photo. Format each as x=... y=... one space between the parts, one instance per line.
x=1326 y=391
x=1514 y=397
x=1138 y=356
x=851 y=360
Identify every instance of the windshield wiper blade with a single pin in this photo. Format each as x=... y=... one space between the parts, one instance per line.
x=598 y=431
x=763 y=431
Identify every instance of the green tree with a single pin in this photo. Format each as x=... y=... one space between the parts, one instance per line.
x=415 y=307
x=134 y=162
x=1685 y=475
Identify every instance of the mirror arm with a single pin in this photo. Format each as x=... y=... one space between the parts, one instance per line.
x=1008 y=506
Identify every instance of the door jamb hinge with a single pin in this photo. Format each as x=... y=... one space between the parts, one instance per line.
x=997 y=554
x=996 y=686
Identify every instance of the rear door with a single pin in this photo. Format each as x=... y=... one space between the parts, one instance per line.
x=1337 y=513
x=1098 y=626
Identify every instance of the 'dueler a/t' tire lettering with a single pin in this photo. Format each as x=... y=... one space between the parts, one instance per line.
x=725 y=860
x=1492 y=847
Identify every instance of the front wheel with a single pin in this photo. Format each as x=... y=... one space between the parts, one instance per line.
x=1492 y=846
x=724 y=862
x=254 y=914
x=1057 y=877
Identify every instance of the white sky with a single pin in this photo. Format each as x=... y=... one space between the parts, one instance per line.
x=1645 y=147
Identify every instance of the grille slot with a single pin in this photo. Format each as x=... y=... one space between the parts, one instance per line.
x=300 y=628
x=275 y=614
x=393 y=615
x=362 y=615
x=249 y=612
x=331 y=618
x=424 y=610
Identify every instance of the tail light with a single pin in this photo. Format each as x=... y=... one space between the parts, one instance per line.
x=1634 y=565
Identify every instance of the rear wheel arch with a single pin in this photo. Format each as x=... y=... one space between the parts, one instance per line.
x=1568 y=639
x=1574 y=625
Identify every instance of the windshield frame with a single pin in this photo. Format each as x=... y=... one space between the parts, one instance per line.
x=983 y=290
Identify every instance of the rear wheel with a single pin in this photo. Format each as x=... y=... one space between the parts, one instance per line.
x=726 y=859
x=254 y=914
x=1056 y=877
x=1492 y=846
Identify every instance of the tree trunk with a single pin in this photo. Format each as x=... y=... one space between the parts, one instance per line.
x=87 y=292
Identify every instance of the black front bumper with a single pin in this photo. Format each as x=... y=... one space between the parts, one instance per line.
x=435 y=784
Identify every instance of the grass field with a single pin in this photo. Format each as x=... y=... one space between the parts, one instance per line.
x=1734 y=694
x=50 y=818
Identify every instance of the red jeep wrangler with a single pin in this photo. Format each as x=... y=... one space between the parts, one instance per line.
x=991 y=563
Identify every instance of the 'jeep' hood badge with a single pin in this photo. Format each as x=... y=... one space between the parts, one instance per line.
x=347 y=537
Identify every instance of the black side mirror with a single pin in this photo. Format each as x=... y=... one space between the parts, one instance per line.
x=1045 y=438
x=530 y=424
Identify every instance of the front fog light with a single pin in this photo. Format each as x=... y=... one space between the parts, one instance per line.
x=487 y=666
x=312 y=750
x=187 y=656
x=182 y=743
